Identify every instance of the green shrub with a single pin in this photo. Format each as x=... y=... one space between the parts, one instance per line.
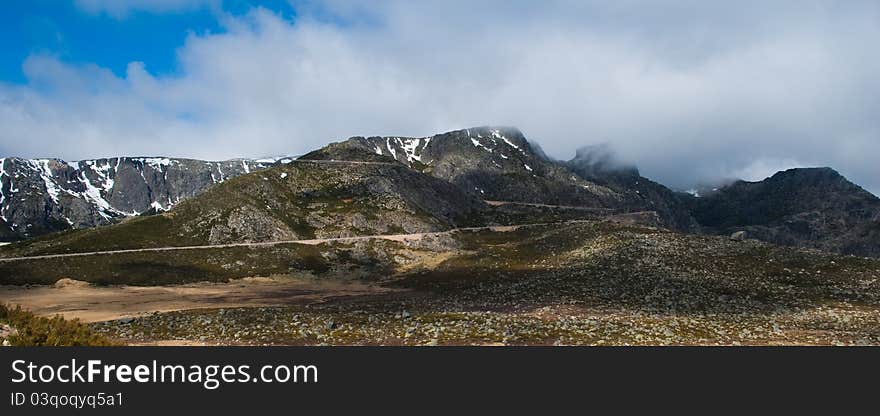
x=55 y=331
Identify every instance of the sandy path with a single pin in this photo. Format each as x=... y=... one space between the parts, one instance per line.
x=92 y=304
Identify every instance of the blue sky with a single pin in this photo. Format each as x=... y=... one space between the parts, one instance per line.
x=692 y=92
x=76 y=34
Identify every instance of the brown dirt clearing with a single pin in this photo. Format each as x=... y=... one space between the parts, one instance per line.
x=95 y=303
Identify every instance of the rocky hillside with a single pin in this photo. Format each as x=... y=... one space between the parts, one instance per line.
x=299 y=200
x=497 y=164
x=814 y=207
x=39 y=196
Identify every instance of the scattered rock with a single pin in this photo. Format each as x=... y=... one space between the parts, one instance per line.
x=7 y=331
x=70 y=283
x=739 y=236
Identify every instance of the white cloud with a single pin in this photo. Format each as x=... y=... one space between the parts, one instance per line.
x=689 y=91
x=762 y=169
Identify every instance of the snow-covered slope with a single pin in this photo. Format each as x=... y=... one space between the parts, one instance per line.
x=38 y=196
x=502 y=146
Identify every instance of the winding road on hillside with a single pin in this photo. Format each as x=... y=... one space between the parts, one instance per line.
x=314 y=241
x=539 y=205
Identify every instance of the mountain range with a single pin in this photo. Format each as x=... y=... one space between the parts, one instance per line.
x=387 y=185
x=40 y=196
x=816 y=208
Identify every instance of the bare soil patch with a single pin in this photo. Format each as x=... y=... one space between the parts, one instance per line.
x=95 y=303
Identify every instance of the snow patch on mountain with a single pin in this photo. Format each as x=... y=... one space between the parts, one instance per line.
x=409 y=147
x=158 y=163
x=56 y=195
x=103 y=172
x=42 y=167
x=390 y=149
x=477 y=143
x=497 y=134
x=155 y=205
x=2 y=193
x=94 y=195
x=270 y=160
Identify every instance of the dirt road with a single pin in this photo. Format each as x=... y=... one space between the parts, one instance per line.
x=392 y=237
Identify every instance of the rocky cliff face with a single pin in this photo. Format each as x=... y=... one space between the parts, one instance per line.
x=39 y=196
x=814 y=207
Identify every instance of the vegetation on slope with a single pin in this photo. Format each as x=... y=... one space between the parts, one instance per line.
x=288 y=202
x=32 y=330
x=370 y=259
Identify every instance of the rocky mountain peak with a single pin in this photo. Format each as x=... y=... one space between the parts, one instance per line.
x=39 y=196
x=504 y=142
x=494 y=163
x=815 y=172
x=822 y=177
x=813 y=207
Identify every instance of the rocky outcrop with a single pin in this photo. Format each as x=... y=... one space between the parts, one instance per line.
x=247 y=223
x=814 y=207
x=39 y=196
